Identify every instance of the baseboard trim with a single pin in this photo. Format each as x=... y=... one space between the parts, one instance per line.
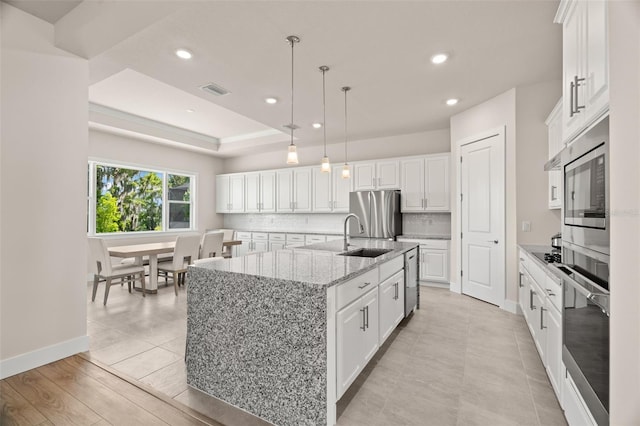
x=434 y=284
x=30 y=360
x=510 y=306
x=455 y=287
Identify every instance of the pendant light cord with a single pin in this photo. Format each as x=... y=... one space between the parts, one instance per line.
x=324 y=113
x=345 y=125
x=292 y=43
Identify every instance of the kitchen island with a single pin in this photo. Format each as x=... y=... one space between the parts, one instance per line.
x=283 y=334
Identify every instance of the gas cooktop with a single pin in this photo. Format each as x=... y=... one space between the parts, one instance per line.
x=553 y=257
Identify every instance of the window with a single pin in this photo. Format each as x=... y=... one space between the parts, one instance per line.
x=130 y=199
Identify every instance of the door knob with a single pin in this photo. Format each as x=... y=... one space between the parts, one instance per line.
x=493 y=241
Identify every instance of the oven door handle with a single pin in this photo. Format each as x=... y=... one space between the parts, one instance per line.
x=586 y=293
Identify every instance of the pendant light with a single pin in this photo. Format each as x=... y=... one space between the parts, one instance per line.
x=325 y=165
x=346 y=170
x=292 y=155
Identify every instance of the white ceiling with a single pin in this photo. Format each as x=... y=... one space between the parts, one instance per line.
x=379 y=48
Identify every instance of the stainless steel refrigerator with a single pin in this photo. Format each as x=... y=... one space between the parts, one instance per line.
x=379 y=213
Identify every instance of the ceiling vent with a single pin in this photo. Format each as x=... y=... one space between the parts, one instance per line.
x=214 y=89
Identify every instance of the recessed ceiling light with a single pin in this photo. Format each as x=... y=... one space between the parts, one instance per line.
x=317 y=125
x=439 y=58
x=271 y=100
x=183 y=54
x=452 y=101
x=191 y=110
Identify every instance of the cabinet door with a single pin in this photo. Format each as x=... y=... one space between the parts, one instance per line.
x=340 y=190
x=350 y=327
x=236 y=193
x=391 y=294
x=302 y=190
x=284 y=191
x=597 y=59
x=371 y=317
x=252 y=192
x=268 y=192
x=434 y=265
x=260 y=246
x=554 y=349
x=273 y=246
x=522 y=290
x=412 y=185
x=241 y=249
x=321 y=191
x=572 y=38
x=222 y=194
x=436 y=187
x=364 y=176
x=554 y=124
x=387 y=174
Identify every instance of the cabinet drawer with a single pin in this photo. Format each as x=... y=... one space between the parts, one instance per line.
x=295 y=238
x=356 y=287
x=244 y=236
x=537 y=273
x=430 y=244
x=262 y=236
x=391 y=267
x=524 y=260
x=553 y=288
x=277 y=237
x=312 y=239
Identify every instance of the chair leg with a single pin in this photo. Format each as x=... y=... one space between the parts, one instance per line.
x=144 y=290
x=175 y=282
x=106 y=290
x=129 y=281
x=95 y=287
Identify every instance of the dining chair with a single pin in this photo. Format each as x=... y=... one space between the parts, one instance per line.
x=228 y=235
x=186 y=251
x=211 y=245
x=109 y=273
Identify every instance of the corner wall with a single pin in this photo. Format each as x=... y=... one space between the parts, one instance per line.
x=43 y=171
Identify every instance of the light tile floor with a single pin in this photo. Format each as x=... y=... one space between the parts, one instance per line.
x=456 y=361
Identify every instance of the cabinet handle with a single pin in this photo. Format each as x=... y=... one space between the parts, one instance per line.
x=554 y=189
x=363 y=327
x=520 y=283
x=571 y=101
x=542 y=326
x=531 y=293
x=576 y=84
x=363 y=286
x=550 y=292
x=366 y=313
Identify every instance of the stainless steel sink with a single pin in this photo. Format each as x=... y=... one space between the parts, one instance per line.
x=366 y=252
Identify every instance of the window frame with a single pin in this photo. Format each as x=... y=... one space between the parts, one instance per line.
x=164 y=173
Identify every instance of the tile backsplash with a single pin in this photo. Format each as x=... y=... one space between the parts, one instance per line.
x=426 y=224
x=331 y=223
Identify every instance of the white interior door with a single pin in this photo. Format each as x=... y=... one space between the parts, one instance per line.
x=483 y=219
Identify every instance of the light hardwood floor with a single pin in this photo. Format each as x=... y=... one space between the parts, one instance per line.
x=456 y=361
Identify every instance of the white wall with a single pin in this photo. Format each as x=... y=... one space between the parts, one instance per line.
x=533 y=105
x=111 y=147
x=494 y=113
x=368 y=149
x=43 y=186
x=624 y=33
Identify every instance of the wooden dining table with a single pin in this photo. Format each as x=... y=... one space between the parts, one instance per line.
x=138 y=251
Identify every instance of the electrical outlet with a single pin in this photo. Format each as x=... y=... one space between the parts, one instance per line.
x=526 y=226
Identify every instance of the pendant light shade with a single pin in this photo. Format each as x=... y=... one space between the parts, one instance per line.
x=292 y=155
x=346 y=169
x=325 y=165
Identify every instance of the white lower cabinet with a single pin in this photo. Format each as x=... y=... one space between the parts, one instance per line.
x=391 y=294
x=434 y=265
x=553 y=322
x=575 y=410
x=356 y=338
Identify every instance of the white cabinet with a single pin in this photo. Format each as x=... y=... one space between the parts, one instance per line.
x=425 y=184
x=553 y=322
x=376 y=175
x=293 y=190
x=434 y=265
x=252 y=192
x=322 y=183
x=585 y=64
x=267 y=192
x=356 y=338
x=340 y=189
x=230 y=193
x=575 y=410
x=554 y=127
x=391 y=295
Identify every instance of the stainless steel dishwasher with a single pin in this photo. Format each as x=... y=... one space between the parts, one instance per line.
x=411 y=288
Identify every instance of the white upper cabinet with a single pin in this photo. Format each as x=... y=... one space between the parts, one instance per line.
x=252 y=192
x=554 y=126
x=322 y=200
x=293 y=190
x=267 y=192
x=230 y=193
x=340 y=190
x=585 y=64
x=425 y=183
x=376 y=175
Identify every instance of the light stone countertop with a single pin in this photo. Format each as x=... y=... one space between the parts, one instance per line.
x=425 y=237
x=530 y=249
x=317 y=264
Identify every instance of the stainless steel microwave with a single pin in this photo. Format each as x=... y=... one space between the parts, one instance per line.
x=585 y=208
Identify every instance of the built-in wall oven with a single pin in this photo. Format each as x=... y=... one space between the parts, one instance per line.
x=585 y=264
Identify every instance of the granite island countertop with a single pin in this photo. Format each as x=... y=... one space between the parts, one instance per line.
x=318 y=264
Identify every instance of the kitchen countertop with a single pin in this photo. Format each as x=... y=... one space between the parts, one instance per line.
x=530 y=249
x=425 y=237
x=271 y=231
x=317 y=264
